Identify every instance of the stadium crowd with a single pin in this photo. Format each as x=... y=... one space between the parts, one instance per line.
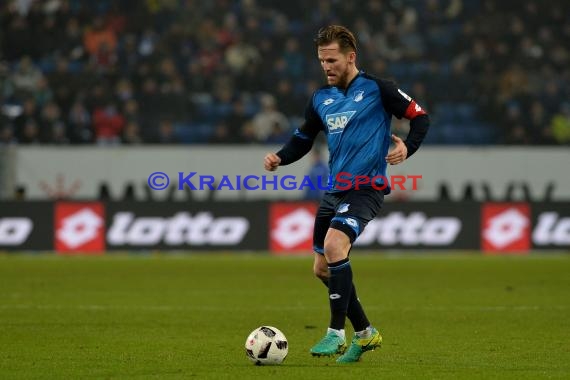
x=240 y=71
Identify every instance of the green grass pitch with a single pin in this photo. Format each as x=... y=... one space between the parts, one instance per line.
x=187 y=316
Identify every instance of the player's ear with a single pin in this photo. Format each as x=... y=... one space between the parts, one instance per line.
x=352 y=57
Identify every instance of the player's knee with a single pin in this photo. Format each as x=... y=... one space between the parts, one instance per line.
x=336 y=249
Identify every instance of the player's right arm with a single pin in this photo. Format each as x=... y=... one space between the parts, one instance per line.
x=299 y=144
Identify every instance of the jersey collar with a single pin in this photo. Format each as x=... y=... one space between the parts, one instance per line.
x=345 y=91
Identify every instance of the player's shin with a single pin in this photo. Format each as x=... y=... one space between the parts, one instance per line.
x=340 y=289
x=355 y=312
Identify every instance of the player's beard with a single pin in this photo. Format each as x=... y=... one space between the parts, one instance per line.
x=342 y=79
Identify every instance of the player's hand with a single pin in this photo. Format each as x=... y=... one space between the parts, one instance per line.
x=271 y=162
x=399 y=153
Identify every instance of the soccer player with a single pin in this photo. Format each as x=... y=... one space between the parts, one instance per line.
x=354 y=111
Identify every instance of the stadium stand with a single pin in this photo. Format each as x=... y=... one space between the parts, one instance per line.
x=183 y=71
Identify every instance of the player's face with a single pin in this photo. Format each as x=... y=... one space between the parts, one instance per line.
x=336 y=64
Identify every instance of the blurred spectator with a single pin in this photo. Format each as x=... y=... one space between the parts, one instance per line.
x=71 y=43
x=241 y=54
x=27 y=78
x=20 y=43
x=131 y=111
x=59 y=134
x=539 y=130
x=30 y=133
x=278 y=134
x=290 y=103
x=294 y=60
x=48 y=40
x=236 y=119
x=247 y=133
x=561 y=125
x=131 y=134
x=52 y=126
x=7 y=135
x=221 y=134
x=514 y=126
x=147 y=43
x=166 y=133
x=30 y=112
x=63 y=84
x=149 y=105
x=105 y=58
x=124 y=90
x=128 y=57
x=99 y=40
x=108 y=124
x=43 y=93
x=79 y=122
x=269 y=120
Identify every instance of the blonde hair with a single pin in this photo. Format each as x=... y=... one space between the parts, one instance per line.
x=336 y=33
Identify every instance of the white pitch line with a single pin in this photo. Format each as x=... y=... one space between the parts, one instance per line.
x=169 y=308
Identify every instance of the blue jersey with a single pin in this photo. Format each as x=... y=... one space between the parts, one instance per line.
x=356 y=122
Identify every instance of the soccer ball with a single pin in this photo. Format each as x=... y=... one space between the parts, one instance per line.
x=266 y=345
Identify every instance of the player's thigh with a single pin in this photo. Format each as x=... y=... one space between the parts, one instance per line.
x=325 y=213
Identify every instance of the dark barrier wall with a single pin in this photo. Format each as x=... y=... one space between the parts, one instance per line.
x=551 y=225
x=26 y=226
x=279 y=227
x=199 y=226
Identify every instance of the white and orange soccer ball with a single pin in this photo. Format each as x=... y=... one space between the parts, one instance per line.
x=266 y=345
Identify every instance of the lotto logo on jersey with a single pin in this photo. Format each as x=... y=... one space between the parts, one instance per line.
x=336 y=122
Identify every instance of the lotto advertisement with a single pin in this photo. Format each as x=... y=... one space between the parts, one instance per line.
x=281 y=228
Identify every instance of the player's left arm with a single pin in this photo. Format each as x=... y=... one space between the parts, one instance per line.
x=401 y=105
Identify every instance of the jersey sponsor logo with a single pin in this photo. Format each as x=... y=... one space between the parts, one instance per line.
x=15 y=231
x=505 y=227
x=336 y=122
x=406 y=96
x=358 y=96
x=328 y=101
